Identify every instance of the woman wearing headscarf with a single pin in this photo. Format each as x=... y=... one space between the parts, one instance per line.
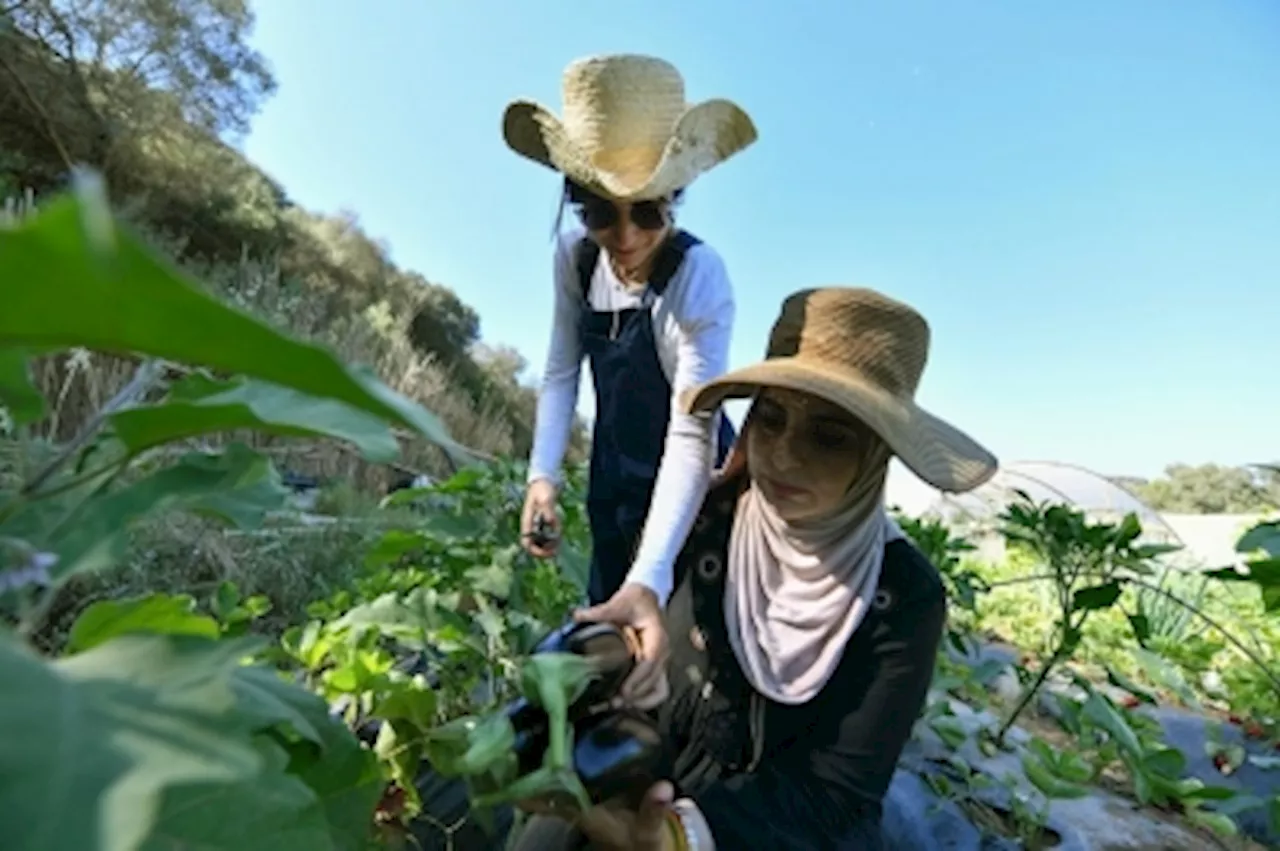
x=650 y=307
x=804 y=627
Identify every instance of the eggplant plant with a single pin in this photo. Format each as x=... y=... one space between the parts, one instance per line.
x=152 y=705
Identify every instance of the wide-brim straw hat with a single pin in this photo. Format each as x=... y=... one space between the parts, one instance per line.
x=627 y=131
x=864 y=352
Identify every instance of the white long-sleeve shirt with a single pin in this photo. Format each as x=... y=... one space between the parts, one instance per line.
x=692 y=323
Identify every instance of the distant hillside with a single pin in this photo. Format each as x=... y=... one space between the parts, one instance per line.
x=152 y=95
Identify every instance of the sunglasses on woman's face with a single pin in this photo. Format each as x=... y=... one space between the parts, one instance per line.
x=599 y=214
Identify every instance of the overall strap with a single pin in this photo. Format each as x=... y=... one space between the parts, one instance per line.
x=585 y=255
x=669 y=258
x=665 y=265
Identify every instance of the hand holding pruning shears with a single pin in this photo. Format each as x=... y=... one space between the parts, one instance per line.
x=540 y=522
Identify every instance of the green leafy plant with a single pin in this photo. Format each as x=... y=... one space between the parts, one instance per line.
x=1261 y=545
x=424 y=651
x=946 y=552
x=1088 y=564
x=173 y=738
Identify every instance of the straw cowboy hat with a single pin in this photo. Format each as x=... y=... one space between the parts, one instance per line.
x=864 y=352
x=627 y=132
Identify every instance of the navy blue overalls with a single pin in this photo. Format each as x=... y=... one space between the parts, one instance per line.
x=633 y=408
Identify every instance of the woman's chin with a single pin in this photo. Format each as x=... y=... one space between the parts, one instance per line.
x=790 y=508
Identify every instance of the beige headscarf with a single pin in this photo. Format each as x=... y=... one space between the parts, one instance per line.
x=796 y=592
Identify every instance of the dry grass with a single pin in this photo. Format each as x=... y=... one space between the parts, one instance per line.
x=188 y=555
x=182 y=554
x=77 y=383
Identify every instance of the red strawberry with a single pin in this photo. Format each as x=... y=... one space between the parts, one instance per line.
x=1235 y=719
x=1253 y=730
x=1220 y=762
x=1131 y=702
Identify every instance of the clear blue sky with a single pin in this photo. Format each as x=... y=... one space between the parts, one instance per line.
x=1083 y=198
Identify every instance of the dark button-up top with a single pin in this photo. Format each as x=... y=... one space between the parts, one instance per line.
x=794 y=777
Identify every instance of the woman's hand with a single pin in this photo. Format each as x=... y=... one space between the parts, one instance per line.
x=540 y=539
x=611 y=827
x=635 y=609
x=617 y=829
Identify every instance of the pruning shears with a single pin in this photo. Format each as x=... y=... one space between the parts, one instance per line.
x=544 y=532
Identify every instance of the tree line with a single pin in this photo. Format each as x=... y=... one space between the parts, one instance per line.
x=1209 y=489
x=154 y=94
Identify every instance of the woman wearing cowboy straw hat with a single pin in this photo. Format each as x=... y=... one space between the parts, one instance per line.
x=804 y=625
x=650 y=307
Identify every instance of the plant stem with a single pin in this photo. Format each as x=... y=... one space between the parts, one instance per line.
x=1029 y=693
x=144 y=377
x=84 y=478
x=147 y=373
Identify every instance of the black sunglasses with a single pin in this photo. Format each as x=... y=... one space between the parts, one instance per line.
x=601 y=214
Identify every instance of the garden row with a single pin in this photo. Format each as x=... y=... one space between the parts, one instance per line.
x=170 y=719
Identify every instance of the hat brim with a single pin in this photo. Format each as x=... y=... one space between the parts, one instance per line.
x=937 y=452
x=705 y=135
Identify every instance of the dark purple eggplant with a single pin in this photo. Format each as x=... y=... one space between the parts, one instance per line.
x=532 y=733
x=617 y=755
x=604 y=643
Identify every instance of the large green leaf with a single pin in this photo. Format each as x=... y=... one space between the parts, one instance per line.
x=270 y=698
x=260 y=406
x=17 y=393
x=236 y=485
x=414 y=619
x=274 y=811
x=345 y=777
x=1264 y=536
x=1102 y=713
x=92 y=741
x=156 y=614
x=73 y=277
x=1265 y=573
x=325 y=800
x=168 y=742
x=1097 y=596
